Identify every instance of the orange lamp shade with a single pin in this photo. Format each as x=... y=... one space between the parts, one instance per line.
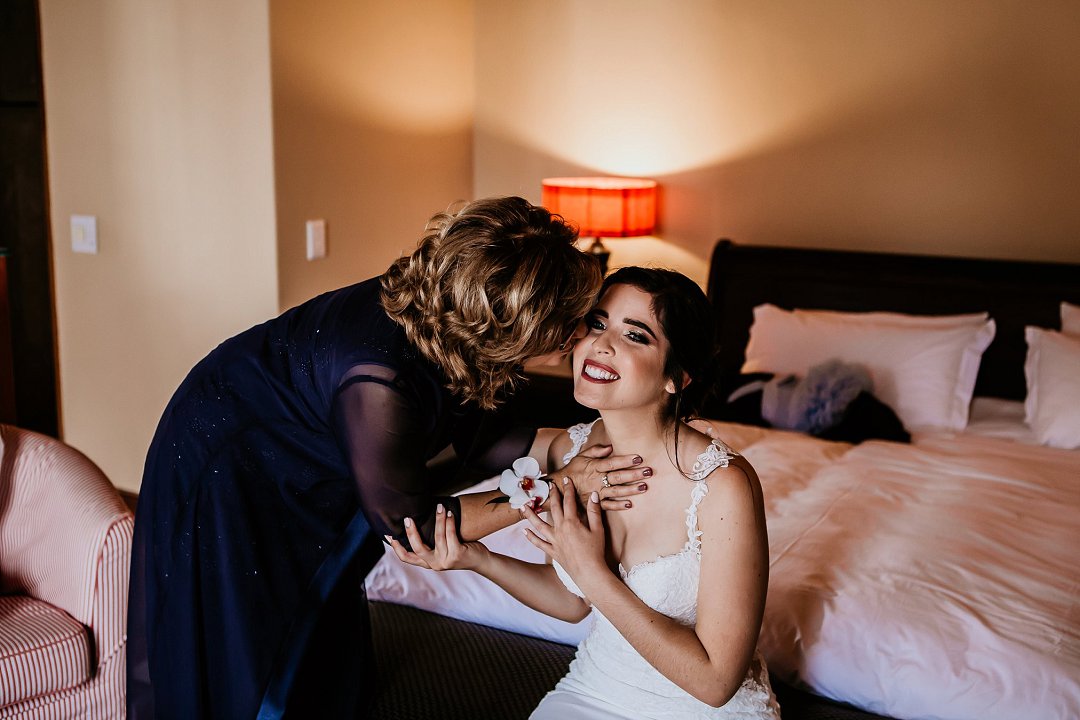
x=603 y=206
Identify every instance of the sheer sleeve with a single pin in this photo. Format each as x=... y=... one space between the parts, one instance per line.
x=491 y=445
x=385 y=430
x=384 y=434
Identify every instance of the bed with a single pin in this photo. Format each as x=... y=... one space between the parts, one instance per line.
x=932 y=579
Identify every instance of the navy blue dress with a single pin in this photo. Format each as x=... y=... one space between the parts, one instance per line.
x=278 y=465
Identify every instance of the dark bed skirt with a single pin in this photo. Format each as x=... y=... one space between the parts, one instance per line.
x=433 y=667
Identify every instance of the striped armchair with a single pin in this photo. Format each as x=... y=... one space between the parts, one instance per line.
x=65 y=547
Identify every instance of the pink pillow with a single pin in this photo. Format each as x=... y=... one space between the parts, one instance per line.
x=1052 y=368
x=923 y=367
x=1070 y=319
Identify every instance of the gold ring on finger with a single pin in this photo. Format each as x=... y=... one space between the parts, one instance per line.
x=604 y=481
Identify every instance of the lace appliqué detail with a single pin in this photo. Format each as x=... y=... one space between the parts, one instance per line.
x=578 y=435
x=693 y=541
x=716 y=455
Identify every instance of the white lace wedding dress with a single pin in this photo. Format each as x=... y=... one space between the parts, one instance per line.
x=608 y=679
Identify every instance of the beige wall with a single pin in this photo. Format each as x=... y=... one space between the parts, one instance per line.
x=161 y=122
x=158 y=123
x=941 y=127
x=373 y=107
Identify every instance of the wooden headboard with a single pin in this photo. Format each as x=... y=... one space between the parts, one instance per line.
x=1015 y=293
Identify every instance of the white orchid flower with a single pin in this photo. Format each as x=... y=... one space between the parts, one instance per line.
x=523 y=484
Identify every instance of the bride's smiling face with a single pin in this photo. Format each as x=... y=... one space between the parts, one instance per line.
x=620 y=361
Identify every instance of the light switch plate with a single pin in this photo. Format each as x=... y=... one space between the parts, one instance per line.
x=316 y=239
x=84 y=234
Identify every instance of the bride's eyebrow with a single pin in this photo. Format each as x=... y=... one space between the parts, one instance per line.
x=639 y=324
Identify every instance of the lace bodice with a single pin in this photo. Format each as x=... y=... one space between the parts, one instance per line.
x=607 y=668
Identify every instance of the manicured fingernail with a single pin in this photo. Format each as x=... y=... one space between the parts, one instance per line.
x=388 y=539
x=628 y=505
x=647 y=472
x=594 y=496
x=449 y=513
x=439 y=508
x=642 y=487
x=637 y=459
x=408 y=522
x=565 y=480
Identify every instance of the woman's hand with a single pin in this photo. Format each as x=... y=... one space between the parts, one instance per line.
x=574 y=542
x=449 y=552
x=589 y=469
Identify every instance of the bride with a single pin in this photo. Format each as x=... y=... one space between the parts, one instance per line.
x=678 y=581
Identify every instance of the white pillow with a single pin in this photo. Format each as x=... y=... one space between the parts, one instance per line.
x=891 y=318
x=1052 y=368
x=924 y=368
x=465 y=595
x=1070 y=319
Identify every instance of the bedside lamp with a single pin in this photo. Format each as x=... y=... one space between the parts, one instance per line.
x=603 y=207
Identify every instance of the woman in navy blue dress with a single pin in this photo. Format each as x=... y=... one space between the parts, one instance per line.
x=294 y=445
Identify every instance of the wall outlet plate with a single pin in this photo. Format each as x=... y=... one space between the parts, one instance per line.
x=84 y=234
x=316 y=239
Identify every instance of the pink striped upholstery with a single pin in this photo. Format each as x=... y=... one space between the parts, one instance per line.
x=42 y=649
x=65 y=540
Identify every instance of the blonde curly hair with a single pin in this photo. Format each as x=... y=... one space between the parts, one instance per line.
x=488 y=286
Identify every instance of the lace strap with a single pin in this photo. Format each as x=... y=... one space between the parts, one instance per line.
x=716 y=455
x=578 y=435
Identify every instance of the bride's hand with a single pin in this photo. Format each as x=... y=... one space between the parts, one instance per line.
x=575 y=542
x=589 y=469
x=449 y=552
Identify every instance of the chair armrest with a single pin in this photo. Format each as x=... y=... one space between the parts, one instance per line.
x=109 y=606
x=63 y=527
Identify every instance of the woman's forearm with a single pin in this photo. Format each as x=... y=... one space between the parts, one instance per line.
x=675 y=650
x=479 y=519
x=534 y=585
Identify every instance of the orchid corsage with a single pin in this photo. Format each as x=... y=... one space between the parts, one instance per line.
x=523 y=484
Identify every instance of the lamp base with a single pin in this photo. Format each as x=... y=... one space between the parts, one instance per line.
x=601 y=253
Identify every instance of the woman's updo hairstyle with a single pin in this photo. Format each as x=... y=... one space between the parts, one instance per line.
x=488 y=286
x=686 y=318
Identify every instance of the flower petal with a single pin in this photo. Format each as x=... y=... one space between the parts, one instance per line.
x=526 y=466
x=519 y=498
x=541 y=489
x=509 y=483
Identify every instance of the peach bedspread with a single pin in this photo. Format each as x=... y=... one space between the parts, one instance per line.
x=934 y=580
